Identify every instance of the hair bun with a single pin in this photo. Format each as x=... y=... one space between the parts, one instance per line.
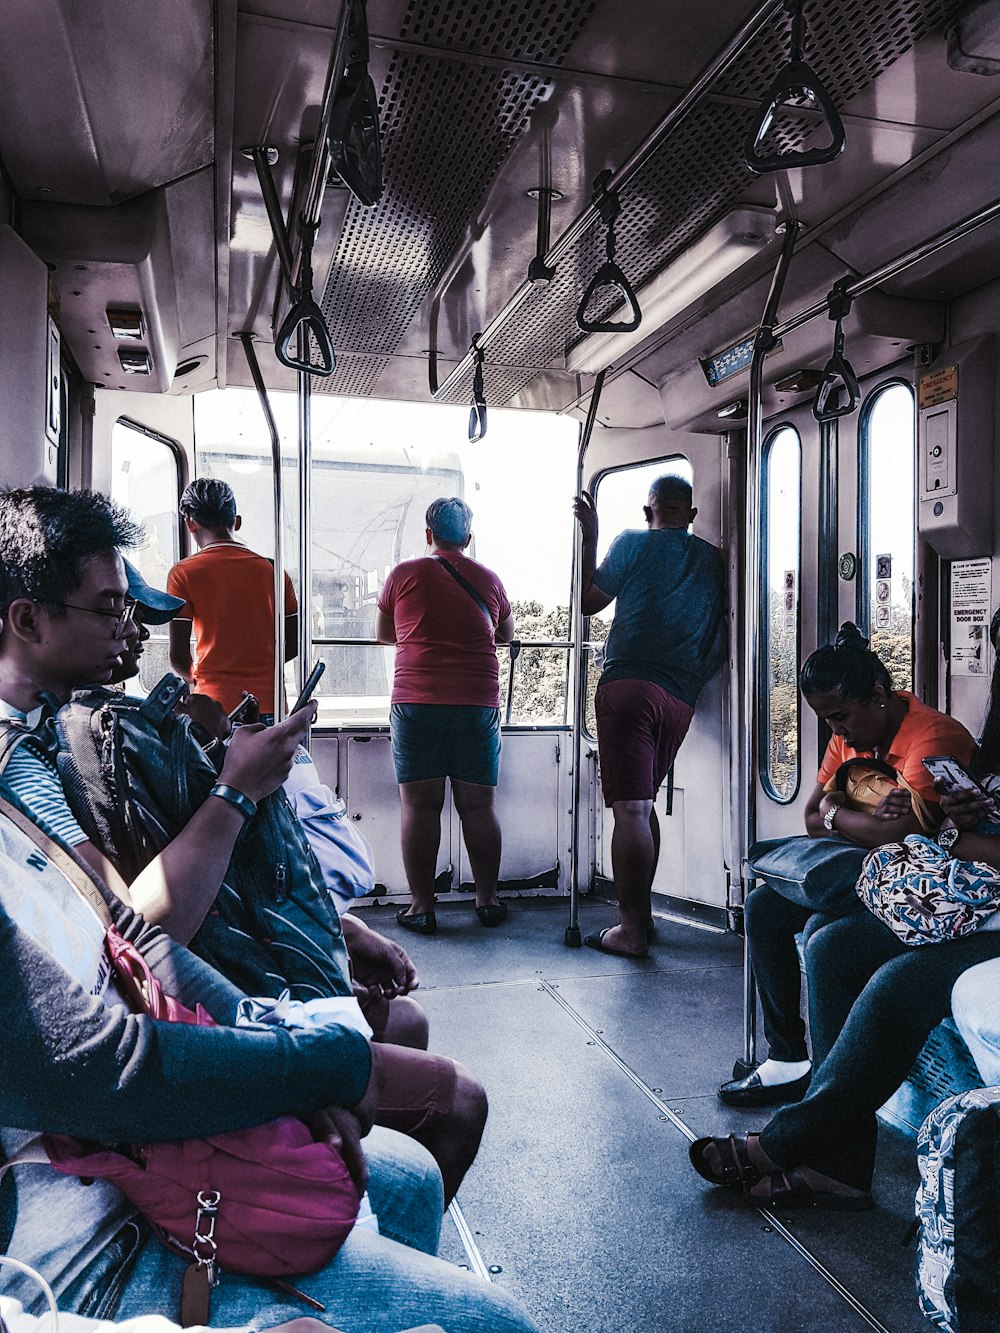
x=850 y=637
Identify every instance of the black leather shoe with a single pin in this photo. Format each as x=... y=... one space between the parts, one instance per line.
x=750 y=1091
x=492 y=914
x=421 y=923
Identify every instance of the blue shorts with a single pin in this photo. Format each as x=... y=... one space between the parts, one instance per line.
x=459 y=741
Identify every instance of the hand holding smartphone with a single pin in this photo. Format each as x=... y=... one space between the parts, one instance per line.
x=955 y=777
x=312 y=680
x=246 y=710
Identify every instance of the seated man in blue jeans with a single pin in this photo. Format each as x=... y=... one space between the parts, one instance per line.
x=975 y=1006
x=78 y=1062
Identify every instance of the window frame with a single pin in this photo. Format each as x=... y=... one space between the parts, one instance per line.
x=763 y=693
x=863 y=600
x=180 y=466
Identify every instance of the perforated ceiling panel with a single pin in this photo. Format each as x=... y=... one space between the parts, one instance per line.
x=447 y=126
x=699 y=173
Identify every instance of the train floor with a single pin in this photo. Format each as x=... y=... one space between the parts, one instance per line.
x=599 y=1072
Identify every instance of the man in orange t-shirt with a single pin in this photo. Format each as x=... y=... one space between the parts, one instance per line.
x=228 y=594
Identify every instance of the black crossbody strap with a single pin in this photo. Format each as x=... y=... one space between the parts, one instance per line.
x=78 y=875
x=464 y=582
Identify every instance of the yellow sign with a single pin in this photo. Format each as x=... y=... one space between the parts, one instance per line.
x=940 y=386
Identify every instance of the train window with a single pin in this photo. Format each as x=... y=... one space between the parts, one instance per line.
x=781 y=492
x=146 y=478
x=887 y=470
x=376 y=467
x=620 y=495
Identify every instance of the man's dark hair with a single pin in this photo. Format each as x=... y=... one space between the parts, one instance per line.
x=47 y=535
x=670 y=489
x=209 y=502
x=846 y=667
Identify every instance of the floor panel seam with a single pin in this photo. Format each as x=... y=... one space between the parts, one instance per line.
x=668 y=1114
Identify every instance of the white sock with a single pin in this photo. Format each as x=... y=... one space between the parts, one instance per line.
x=773 y=1072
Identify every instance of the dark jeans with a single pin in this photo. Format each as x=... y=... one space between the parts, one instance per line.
x=772 y=923
x=873 y=1003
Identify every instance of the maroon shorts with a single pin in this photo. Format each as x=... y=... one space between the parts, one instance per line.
x=418 y=1092
x=639 y=731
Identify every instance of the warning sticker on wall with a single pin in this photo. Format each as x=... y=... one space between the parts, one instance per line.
x=971 y=601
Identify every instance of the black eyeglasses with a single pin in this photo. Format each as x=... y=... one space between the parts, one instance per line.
x=121 y=618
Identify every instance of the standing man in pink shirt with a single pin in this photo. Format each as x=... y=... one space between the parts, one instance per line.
x=445 y=613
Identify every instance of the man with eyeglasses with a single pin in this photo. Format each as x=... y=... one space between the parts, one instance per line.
x=66 y=609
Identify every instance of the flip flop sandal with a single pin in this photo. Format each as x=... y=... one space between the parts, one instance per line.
x=787 y=1189
x=597 y=942
x=737 y=1169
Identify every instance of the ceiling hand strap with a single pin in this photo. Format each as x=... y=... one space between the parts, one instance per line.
x=355 y=145
x=305 y=316
x=609 y=276
x=796 y=80
x=477 y=413
x=839 y=392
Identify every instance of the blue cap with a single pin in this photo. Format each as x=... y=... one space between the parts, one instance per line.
x=157 y=607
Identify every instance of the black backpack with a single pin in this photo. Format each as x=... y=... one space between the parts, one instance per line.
x=134 y=774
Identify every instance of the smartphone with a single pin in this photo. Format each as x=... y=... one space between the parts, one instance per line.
x=953 y=776
x=244 y=710
x=312 y=681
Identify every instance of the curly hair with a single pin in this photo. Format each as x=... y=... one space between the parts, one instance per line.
x=48 y=534
x=846 y=667
x=210 y=502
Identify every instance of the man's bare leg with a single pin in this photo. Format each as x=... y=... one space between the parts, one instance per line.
x=634 y=853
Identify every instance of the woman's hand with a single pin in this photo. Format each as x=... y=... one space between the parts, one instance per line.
x=832 y=800
x=964 y=808
x=895 y=804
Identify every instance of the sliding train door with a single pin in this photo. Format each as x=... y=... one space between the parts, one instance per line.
x=691 y=876
x=838 y=542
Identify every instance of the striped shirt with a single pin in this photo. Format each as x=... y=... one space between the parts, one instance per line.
x=31 y=774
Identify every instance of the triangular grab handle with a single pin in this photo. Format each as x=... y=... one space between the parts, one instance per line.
x=609 y=275
x=838 y=375
x=796 y=79
x=306 y=312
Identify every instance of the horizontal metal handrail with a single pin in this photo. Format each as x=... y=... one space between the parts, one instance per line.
x=525 y=643
x=633 y=162
x=893 y=267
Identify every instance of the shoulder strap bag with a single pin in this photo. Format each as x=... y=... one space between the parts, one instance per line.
x=463 y=582
x=268 y=1201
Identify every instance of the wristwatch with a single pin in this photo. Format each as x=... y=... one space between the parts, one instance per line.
x=829 y=817
x=946 y=838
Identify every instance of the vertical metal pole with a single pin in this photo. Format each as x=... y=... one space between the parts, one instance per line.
x=305 y=513
x=763 y=344
x=579 y=662
x=279 y=555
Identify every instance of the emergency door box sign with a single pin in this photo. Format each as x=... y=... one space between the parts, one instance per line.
x=955 y=451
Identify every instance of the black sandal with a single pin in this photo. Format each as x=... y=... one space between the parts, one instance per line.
x=788 y=1189
x=737 y=1169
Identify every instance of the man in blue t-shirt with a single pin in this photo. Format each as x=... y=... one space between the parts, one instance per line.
x=667 y=638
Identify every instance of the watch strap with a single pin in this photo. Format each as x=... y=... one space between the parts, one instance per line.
x=234 y=796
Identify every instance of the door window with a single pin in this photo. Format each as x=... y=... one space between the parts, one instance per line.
x=887 y=539
x=146 y=480
x=781 y=498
